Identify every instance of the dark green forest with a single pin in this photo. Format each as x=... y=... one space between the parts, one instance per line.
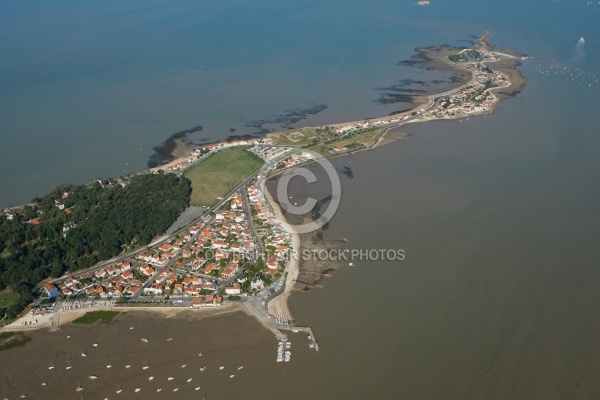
x=105 y=217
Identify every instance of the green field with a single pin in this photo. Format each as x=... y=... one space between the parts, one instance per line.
x=220 y=173
x=7 y=299
x=8 y=340
x=368 y=136
x=294 y=137
x=104 y=317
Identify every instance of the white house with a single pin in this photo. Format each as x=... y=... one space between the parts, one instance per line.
x=257 y=283
x=234 y=289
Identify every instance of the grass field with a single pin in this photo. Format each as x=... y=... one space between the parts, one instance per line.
x=92 y=317
x=294 y=137
x=368 y=137
x=220 y=173
x=7 y=299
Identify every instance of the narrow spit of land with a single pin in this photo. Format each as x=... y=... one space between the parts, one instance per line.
x=228 y=164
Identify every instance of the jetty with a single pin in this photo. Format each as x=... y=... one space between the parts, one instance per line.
x=264 y=319
x=55 y=322
x=306 y=329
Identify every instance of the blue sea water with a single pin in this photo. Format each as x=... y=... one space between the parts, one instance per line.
x=88 y=88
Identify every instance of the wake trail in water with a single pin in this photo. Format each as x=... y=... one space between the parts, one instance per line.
x=580 y=53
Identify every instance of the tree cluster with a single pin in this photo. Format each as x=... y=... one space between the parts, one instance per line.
x=106 y=218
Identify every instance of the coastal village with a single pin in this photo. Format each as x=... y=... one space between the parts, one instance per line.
x=238 y=249
x=215 y=258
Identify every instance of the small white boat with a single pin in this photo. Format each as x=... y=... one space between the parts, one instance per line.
x=183 y=365
x=22 y=395
x=68 y=365
x=241 y=366
x=146 y=366
x=131 y=327
x=176 y=389
x=95 y=345
x=51 y=366
x=119 y=390
x=169 y=339
x=137 y=389
x=150 y=378
x=93 y=377
x=128 y=366
x=145 y=340
x=83 y=354
x=170 y=378
x=197 y=387
x=79 y=388
x=222 y=367
x=231 y=376
x=158 y=390
x=189 y=380
x=200 y=354
x=109 y=366
x=202 y=368
x=43 y=383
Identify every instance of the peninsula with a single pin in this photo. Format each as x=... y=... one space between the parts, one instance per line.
x=237 y=246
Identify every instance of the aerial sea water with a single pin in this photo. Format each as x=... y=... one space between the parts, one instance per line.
x=87 y=89
x=498 y=295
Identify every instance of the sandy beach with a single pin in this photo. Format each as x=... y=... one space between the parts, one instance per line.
x=279 y=304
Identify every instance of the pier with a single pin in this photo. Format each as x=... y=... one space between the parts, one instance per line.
x=55 y=322
x=263 y=318
x=306 y=329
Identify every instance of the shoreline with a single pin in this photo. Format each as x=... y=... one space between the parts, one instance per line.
x=434 y=57
x=428 y=58
x=68 y=316
x=437 y=60
x=279 y=304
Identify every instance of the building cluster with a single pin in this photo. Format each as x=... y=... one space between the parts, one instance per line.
x=274 y=237
x=470 y=100
x=296 y=159
x=216 y=255
x=270 y=153
x=113 y=281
